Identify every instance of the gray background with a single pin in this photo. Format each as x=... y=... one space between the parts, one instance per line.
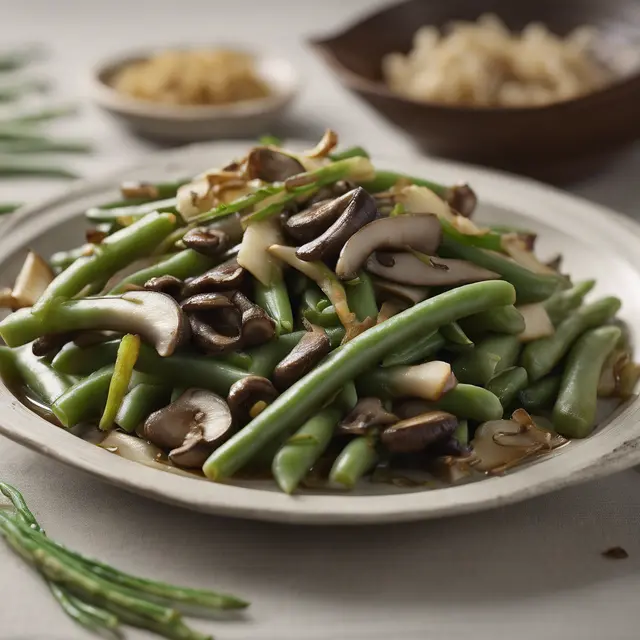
x=527 y=571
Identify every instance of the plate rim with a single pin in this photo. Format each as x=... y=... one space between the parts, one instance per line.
x=21 y=425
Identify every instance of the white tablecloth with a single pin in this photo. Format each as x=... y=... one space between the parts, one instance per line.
x=528 y=571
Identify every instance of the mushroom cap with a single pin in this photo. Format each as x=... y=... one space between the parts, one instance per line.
x=312 y=347
x=418 y=433
x=368 y=413
x=272 y=165
x=191 y=427
x=216 y=322
x=420 y=232
x=246 y=393
x=208 y=241
x=170 y=285
x=257 y=325
x=224 y=277
x=406 y=268
x=359 y=209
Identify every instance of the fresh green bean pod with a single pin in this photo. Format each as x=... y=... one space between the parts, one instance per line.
x=454 y=334
x=181 y=265
x=507 y=384
x=274 y=299
x=135 y=211
x=489 y=240
x=302 y=450
x=115 y=252
x=500 y=320
x=139 y=403
x=541 y=395
x=361 y=297
x=151 y=191
x=470 y=402
x=490 y=357
x=351 y=152
x=63 y=259
x=384 y=180
x=574 y=413
x=541 y=356
x=417 y=350
x=356 y=356
x=47 y=383
x=529 y=286
x=354 y=461
x=562 y=303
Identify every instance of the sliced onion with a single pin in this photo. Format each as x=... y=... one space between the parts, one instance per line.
x=32 y=281
x=537 y=323
x=516 y=248
x=254 y=255
x=429 y=381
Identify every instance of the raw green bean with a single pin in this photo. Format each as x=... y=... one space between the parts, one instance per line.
x=114 y=253
x=417 y=350
x=351 y=152
x=10 y=168
x=470 y=402
x=181 y=265
x=47 y=383
x=302 y=450
x=139 y=403
x=274 y=299
x=361 y=297
x=541 y=395
x=574 y=413
x=529 y=286
x=500 y=320
x=507 y=384
x=112 y=213
x=9 y=207
x=454 y=334
x=354 y=461
x=562 y=303
x=541 y=356
x=352 y=359
x=84 y=400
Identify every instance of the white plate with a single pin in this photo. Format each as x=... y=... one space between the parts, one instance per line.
x=595 y=242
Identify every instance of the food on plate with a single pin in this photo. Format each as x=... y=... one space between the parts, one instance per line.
x=314 y=317
x=192 y=77
x=484 y=64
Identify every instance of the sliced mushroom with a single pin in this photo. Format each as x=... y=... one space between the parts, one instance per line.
x=385 y=290
x=130 y=269
x=257 y=325
x=420 y=232
x=208 y=241
x=32 y=281
x=191 y=427
x=417 y=433
x=421 y=200
x=501 y=444
x=248 y=395
x=50 y=343
x=429 y=381
x=359 y=210
x=225 y=277
x=216 y=322
x=409 y=269
x=517 y=248
x=254 y=255
x=462 y=198
x=368 y=413
x=326 y=145
x=272 y=165
x=410 y=408
x=315 y=219
x=537 y=323
x=330 y=192
x=312 y=348
x=170 y=285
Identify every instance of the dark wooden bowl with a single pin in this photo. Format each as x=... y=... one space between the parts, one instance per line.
x=558 y=142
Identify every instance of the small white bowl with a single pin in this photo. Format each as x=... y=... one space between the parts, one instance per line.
x=184 y=123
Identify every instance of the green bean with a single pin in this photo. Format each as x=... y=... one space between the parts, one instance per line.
x=562 y=303
x=361 y=297
x=529 y=286
x=274 y=299
x=417 y=350
x=10 y=93
x=181 y=265
x=115 y=252
x=12 y=169
x=491 y=356
x=20 y=505
x=13 y=60
x=63 y=259
x=461 y=434
x=9 y=207
x=541 y=356
x=470 y=402
x=574 y=413
x=507 y=384
x=42 y=115
x=351 y=152
x=92 y=618
x=268 y=140
x=454 y=334
x=84 y=400
x=151 y=190
x=39 y=375
x=354 y=461
x=500 y=320
x=46 y=145
x=139 y=403
x=297 y=456
x=135 y=211
x=488 y=240
x=352 y=359
x=384 y=180
x=541 y=395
